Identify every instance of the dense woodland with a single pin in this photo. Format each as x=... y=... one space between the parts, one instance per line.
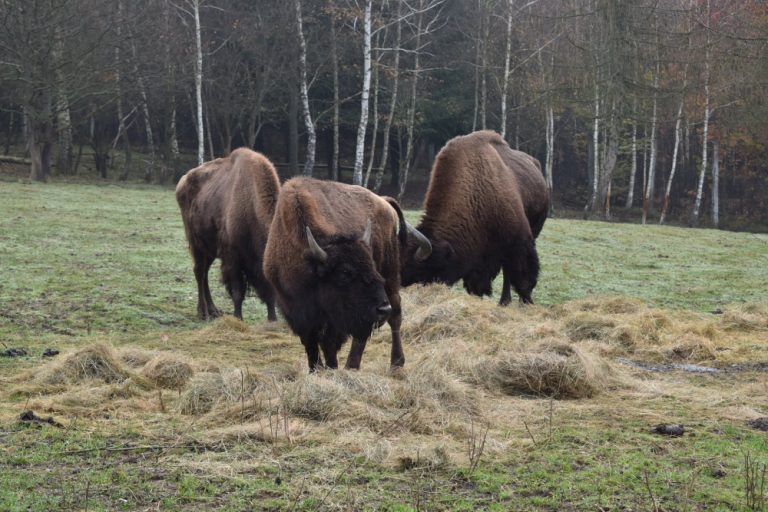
x=651 y=110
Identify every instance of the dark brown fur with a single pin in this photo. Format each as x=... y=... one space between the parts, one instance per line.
x=485 y=205
x=227 y=206
x=350 y=291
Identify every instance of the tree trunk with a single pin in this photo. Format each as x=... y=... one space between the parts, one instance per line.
x=633 y=170
x=293 y=130
x=484 y=72
x=9 y=133
x=375 y=129
x=357 y=177
x=122 y=131
x=716 y=183
x=596 y=151
x=648 y=194
x=406 y=163
x=609 y=162
x=335 y=64
x=505 y=80
x=199 y=84
x=208 y=133
x=668 y=191
x=309 y=125
x=478 y=49
x=392 y=103
x=702 y=173
x=64 y=121
x=550 y=135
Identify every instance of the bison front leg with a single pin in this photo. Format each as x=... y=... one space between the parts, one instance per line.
x=506 y=296
x=397 y=357
x=355 y=356
x=313 y=352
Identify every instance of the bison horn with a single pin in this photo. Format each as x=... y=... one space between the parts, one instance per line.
x=425 y=247
x=314 y=248
x=367 y=234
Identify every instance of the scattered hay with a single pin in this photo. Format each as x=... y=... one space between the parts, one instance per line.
x=136 y=357
x=589 y=326
x=745 y=317
x=205 y=390
x=691 y=347
x=168 y=370
x=228 y=323
x=612 y=305
x=559 y=371
x=314 y=397
x=94 y=362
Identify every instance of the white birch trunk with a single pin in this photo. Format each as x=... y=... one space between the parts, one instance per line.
x=309 y=125
x=596 y=148
x=392 y=103
x=199 y=83
x=375 y=129
x=63 y=119
x=357 y=176
x=505 y=82
x=648 y=194
x=484 y=75
x=479 y=43
x=550 y=154
x=716 y=183
x=633 y=171
x=702 y=173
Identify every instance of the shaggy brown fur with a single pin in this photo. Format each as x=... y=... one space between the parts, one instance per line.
x=347 y=285
x=484 y=207
x=227 y=206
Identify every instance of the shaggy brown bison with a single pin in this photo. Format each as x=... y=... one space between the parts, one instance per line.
x=333 y=258
x=485 y=205
x=227 y=206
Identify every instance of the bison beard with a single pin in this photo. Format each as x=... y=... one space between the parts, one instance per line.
x=484 y=207
x=333 y=259
x=227 y=207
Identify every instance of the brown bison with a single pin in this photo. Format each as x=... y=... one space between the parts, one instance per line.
x=333 y=258
x=227 y=206
x=485 y=205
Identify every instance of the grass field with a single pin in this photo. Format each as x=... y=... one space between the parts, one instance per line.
x=497 y=409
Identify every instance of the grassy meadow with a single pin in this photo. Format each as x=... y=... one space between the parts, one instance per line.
x=496 y=409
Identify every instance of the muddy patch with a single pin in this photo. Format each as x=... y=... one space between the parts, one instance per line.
x=694 y=368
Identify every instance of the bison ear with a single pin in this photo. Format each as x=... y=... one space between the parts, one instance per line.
x=315 y=250
x=366 y=238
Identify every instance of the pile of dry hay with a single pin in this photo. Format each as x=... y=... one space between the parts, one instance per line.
x=464 y=356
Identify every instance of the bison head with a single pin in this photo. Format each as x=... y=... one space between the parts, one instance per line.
x=349 y=288
x=433 y=262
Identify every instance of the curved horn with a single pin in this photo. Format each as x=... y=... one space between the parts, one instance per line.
x=314 y=248
x=367 y=234
x=425 y=247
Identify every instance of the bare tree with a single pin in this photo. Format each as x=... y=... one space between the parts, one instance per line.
x=309 y=125
x=357 y=177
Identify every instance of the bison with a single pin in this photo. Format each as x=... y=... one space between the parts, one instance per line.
x=333 y=258
x=485 y=205
x=227 y=206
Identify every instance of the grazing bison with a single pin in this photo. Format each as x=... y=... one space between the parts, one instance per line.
x=485 y=205
x=333 y=258
x=227 y=206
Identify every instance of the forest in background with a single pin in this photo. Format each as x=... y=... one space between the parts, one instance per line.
x=651 y=110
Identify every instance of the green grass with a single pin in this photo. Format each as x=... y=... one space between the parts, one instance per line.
x=111 y=259
x=102 y=262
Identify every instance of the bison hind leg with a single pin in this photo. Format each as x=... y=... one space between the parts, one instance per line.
x=206 y=310
x=236 y=284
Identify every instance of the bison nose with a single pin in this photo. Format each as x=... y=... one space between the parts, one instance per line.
x=384 y=311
